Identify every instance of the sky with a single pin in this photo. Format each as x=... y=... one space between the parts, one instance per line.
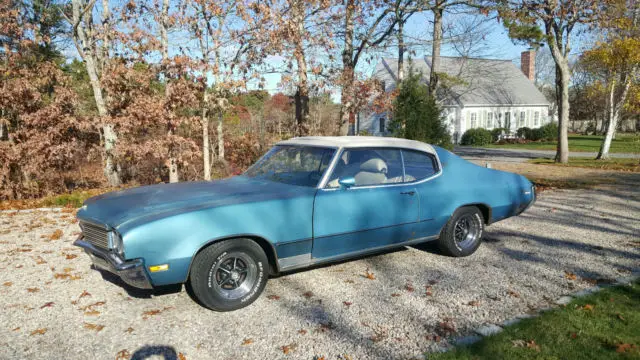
x=495 y=44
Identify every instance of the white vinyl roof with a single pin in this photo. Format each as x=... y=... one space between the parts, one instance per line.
x=359 y=141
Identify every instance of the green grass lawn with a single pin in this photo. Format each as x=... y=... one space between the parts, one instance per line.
x=613 y=164
x=605 y=325
x=624 y=143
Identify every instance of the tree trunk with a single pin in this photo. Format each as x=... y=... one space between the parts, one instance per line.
x=346 y=99
x=435 y=50
x=562 y=150
x=90 y=55
x=174 y=176
x=220 y=138
x=302 y=95
x=204 y=120
x=615 y=105
x=400 y=36
x=603 y=154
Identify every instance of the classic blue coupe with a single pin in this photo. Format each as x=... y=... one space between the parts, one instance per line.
x=307 y=201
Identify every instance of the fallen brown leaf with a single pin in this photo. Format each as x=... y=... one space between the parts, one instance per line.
x=33 y=290
x=7 y=283
x=447 y=326
x=247 y=341
x=347 y=303
x=92 y=313
x=409 y=287
x=349 y=281
x=308 y=294
x=369 y=275
x=123 y=355
x=286 y=349
x=620 y=317
x=474 y=303
x=49 y=304
x=70 y=256
x=95 y=327
x=56 y=235
x=273 y=297
x=39 y=331
x=302 y=332
x=181 y=356
x=587 y=307
x=40 y=260
x=570 y=276
x=129 y=330
x=16 y=329
x=395 y=294
x=91 y=306
x=428 y=290
x=622 y=348
x=147 y=314
x=531 y=344
x=513 y=294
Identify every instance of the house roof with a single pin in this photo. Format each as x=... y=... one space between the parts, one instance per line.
x=358 y=141
x=473 y=81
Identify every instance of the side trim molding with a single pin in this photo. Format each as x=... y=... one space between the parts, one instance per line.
x=305 y=260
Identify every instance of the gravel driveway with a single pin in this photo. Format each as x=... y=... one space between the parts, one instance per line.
x=414 y=301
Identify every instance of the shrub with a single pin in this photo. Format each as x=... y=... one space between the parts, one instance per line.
x=524 y=133
x=495 y=134
x=550 y=131
x=416 y=114
x=476 y=137
x=537 y=134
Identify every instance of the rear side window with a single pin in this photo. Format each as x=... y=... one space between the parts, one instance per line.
x=418 y=165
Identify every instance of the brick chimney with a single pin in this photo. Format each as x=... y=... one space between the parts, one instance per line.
x=528 y=63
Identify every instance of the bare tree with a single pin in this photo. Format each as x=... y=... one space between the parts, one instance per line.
x=92 y=40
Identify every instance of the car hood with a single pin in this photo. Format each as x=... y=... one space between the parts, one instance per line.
x=119 y=207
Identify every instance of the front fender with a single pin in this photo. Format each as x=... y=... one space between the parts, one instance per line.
x=175 y=240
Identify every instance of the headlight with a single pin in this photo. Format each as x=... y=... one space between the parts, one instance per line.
x=115 y=243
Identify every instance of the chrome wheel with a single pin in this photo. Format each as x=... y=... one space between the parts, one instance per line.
x=234 y=275
x=466 y=231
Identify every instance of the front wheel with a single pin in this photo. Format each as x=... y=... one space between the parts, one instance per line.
x=229 y=275
x=462 y=234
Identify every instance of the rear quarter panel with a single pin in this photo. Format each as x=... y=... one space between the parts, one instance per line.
x=464 y=183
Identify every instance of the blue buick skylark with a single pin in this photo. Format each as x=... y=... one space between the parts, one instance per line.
x=307 y=201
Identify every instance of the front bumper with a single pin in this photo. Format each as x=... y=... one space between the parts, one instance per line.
x=131 y=272
x=525 y=207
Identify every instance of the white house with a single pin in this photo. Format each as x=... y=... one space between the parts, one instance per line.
x=476 y=93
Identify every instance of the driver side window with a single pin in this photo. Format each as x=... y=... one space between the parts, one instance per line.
x=368 y=167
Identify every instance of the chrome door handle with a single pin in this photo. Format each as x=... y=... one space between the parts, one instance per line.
x=411 y=193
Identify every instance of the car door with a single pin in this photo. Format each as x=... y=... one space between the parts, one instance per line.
x=376 y=211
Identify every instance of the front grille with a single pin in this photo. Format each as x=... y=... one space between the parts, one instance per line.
x=96 y=235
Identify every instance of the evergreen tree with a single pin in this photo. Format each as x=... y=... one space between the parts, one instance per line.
x=416 y=114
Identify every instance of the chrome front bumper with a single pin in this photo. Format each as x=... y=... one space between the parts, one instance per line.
x=131 y=272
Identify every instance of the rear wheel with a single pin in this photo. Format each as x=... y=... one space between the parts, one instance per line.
x=462 y=235
x=229 y=275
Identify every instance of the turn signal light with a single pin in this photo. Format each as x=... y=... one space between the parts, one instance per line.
x=156 y=268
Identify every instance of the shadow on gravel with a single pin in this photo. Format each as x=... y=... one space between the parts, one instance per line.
x=159 y=352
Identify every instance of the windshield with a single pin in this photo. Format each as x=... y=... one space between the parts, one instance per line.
x=294 y=165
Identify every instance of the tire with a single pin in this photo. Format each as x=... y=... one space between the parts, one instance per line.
x=229 y=275
x=462 y=234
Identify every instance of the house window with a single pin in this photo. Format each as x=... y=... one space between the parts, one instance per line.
x=382 y=123
x=522 y=118
x=474 y=120
x=536 y=118
x=507 y=120
x=490 y=120
x=499 y=120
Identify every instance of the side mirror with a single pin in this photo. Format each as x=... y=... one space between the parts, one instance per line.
x=347 y=182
